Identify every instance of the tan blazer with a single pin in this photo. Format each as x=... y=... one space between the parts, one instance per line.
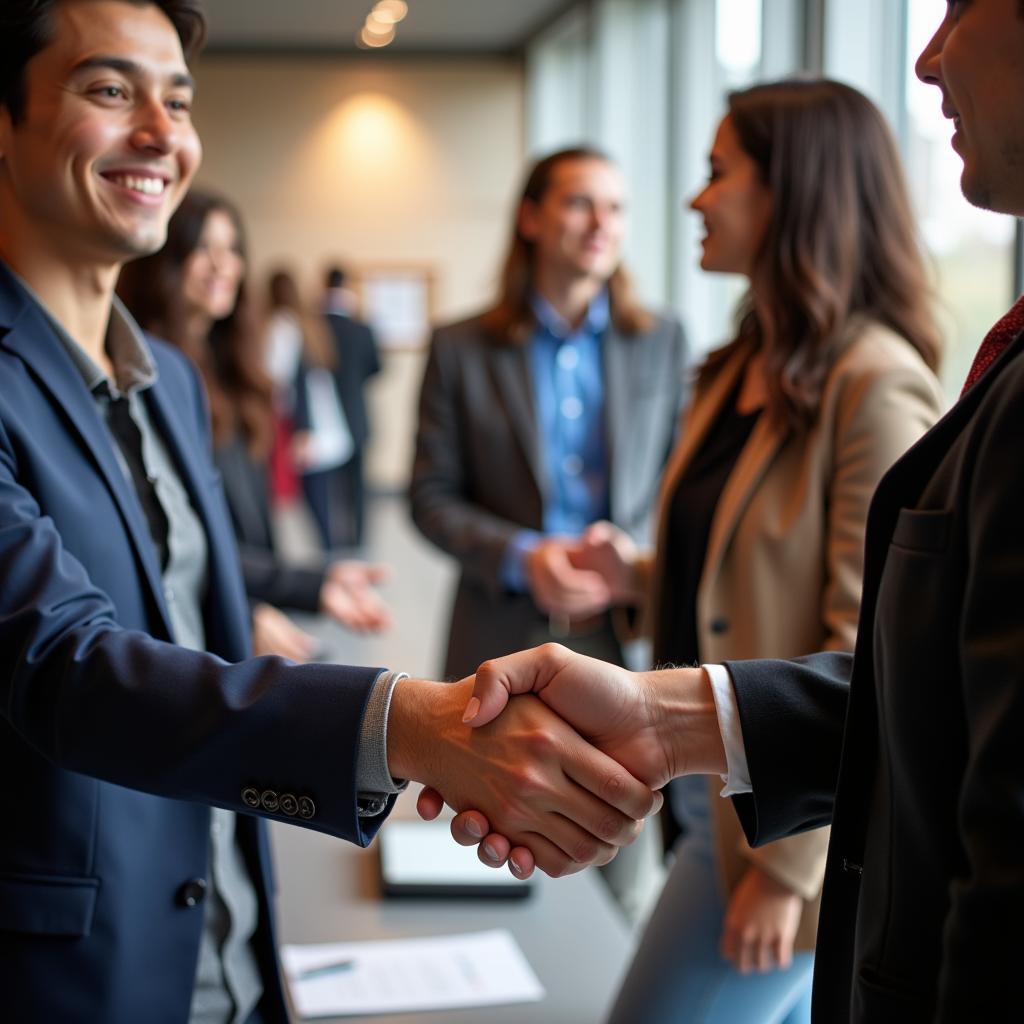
x=782 y=572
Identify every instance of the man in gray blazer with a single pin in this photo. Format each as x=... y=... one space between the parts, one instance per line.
x=551 y=411
x=554 y=409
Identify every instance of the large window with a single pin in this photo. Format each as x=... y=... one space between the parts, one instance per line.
x=647 y=80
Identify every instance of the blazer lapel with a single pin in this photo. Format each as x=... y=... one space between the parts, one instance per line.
x=31 y=337
x=512 y=374
x=619 y=357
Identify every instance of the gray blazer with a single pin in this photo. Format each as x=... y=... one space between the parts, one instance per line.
x=478 y=475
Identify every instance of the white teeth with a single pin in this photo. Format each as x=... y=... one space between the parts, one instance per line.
x=147 y=186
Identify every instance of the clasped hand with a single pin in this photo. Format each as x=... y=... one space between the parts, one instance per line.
x=654 y=725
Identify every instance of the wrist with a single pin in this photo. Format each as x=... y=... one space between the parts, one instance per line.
x=686 y=721
x=420 y=716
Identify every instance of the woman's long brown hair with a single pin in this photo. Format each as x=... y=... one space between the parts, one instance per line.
x=841 y=244
x=512 y=320
x=230 y=358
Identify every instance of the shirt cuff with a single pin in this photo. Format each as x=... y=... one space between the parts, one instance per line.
x=737 y=777
x=513 y=561
x=374 y=783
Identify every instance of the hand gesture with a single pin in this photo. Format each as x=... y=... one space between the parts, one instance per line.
x=558 y=587
x=530 y=773
x=761 y=922
x=611 y=553
x=348 y=596
x=274 y=633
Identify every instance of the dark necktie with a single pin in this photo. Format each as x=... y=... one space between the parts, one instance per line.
x=995 y=343
x=129 y=440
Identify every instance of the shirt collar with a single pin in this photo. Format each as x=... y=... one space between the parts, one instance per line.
x=134 y=368
x=594 y=323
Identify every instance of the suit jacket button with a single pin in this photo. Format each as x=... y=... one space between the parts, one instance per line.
x=289 y=805
x=192 y=892
x=269 y=800
x=306 y=807
x=251 y=797
x=719 y=626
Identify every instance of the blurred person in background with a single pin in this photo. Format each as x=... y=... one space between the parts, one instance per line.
x=554 y=409
x=298 y=340
x=194 y=293
x=356 y=360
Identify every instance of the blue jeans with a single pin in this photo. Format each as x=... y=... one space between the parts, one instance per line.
x=678 y=975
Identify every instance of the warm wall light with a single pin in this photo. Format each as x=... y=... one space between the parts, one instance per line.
x=390 y=11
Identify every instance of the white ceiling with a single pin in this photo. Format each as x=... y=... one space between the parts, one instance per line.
x=438 y=26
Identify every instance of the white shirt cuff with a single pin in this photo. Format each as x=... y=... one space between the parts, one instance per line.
x=737 y=777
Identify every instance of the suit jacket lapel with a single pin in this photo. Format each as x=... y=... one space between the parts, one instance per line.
x=620 y=417
x=32 y=338
x=512 y=374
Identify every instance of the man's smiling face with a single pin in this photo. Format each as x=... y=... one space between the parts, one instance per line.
x=104 y=149
x=976 y=59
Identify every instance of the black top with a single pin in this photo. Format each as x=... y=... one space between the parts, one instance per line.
x=266 y=578
x=690 y=510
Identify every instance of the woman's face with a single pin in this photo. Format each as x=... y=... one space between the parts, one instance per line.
x=736 y=206
x=213 y=271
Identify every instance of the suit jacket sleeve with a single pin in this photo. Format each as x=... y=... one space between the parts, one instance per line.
x=882 y=408
x=119 y=705
x=981 y=947
x=441 y=509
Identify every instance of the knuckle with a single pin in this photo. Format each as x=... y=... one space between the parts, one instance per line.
x=611 y=827
x=585 y=851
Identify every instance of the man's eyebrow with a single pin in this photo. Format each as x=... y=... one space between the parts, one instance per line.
x=130 y=68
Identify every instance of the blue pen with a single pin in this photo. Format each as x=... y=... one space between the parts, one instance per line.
x=324 y=969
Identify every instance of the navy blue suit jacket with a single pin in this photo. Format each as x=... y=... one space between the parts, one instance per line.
x=113 y=741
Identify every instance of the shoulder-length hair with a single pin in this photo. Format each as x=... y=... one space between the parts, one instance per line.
x=841 y=244
x=318 y=349
x=229 y=358
x=512 y=320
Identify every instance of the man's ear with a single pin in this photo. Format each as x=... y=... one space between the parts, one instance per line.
x=527 y=221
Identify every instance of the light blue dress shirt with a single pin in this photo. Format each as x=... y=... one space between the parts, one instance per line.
x=567 y=369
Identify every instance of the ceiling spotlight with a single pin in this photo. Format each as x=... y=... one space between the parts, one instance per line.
x=390 y=12
x=371 y=36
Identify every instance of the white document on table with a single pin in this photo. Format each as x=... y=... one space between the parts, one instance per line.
x=404 y=975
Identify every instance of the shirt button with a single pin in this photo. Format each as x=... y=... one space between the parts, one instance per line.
x=192 y=893
x=571 y=408
x=568 y=357
x=572 y=465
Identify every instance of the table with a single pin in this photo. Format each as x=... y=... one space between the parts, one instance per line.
x=571 y=932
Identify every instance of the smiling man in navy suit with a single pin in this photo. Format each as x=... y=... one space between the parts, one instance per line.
x=132 y=732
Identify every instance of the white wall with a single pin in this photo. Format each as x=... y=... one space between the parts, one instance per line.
x=370 y=162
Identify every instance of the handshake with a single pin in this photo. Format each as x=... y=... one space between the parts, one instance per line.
x=551 y=758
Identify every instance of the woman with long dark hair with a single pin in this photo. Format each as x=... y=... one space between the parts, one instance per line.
x=193 y=293
x=760 y=545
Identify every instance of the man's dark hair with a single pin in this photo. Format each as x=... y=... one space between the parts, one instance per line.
x=26 y=28
x=335 y=277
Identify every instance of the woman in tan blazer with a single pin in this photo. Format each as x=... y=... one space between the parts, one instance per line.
x=760 y=542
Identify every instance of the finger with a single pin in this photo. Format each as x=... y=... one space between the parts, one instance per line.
x=763 y=959
x=521 y=862
x=578 y=844
x=783 y=952
x=728 y=946
x=607 y=781
x=745 y=961
x=469 y=828
x=429 y=803
x=494 y=850
x=550 y=857
x=524 y=672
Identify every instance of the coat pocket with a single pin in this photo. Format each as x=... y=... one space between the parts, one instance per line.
x=878 y=999
x=923 y=530
x=47 y=904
